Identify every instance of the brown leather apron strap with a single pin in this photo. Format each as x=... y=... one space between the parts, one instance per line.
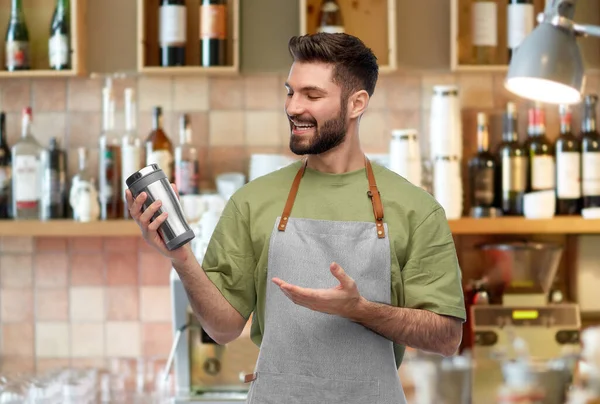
x=375 y=197
x=291 y=197
x=373 y=194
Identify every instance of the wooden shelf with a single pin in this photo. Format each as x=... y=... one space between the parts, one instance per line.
x=69 y=228
x=374 y=22
x=38 y=16
x=148 y=47
x=460 y=37
x=520 y=225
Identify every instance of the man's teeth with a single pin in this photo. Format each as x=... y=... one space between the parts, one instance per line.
x=304 y=126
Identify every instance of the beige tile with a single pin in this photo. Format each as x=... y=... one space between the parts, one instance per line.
x=373 y=126
x=13 y=127
x=123 y=339
x=17 y=244
x=87 y=269
x=85 y=244
x=17 y=365
x=49 y=95
x=16 y=96
x=120 y=243
x=122 y=303
x=476 y=90
x=44 y=365
x=119 y=86
x=428 y=81
x=83 y=130
x=16 y=305
x=16 y=271
x=403 y=91
x=262 y=128
x=17 y=339
x=84 y=94
x=199 y=124
x=51 y=270
x=52 y=339
x=50 y=244
x=86 y=363
x=155 y=303
x=378 y=100
x=263 y=92
x=157 y=339
x=226 y=93
x=47 y=125
x=121 y=269
x=87 y=340
x=52 y=305
x=226 y=128
x=228 y=159
x=155 y=91
x=154 y=269
x=87 y=304
x=407 y=119
x=190 y=94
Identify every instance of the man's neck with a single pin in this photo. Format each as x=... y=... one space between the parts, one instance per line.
x=344 y=158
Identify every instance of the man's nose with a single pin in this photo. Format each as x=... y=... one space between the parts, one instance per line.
x=293 y=106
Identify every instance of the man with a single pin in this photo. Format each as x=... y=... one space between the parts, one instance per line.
x=343 y=262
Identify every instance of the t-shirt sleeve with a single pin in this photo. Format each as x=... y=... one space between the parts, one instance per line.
x=229 y=260
x=432 y=276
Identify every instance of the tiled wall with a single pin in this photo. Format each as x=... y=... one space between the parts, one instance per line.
x=81 y=301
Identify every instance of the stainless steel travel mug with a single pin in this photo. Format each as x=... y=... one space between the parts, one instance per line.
x=175 y=231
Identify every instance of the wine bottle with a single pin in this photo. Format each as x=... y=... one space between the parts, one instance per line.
x=186 y=160
x=542 y=175
x=159 y=149
x=172 y=15
x=482 y=167
x=519 y=23
x=131 y=150
x=513 y=171
x=213 y=32
x=484 y=32
x=568 y=167
x=330 y=17
x=17 y=39
x=60 y=37
x=5 y=170
x=54 y=182
x=590 y=146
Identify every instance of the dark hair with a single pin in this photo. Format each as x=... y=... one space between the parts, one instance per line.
x=355 y=65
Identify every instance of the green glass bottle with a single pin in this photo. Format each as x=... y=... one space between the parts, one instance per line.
x=59 y=48
x=17 y=39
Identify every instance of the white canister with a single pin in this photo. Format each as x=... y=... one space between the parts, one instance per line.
x=447 y=185
x=445 y=124
x=405 y=155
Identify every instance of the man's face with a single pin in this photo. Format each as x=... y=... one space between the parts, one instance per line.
x=315 y=109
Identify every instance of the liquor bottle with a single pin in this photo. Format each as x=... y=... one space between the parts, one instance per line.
x=213 y=32
x=513 y=172
x=83 y=195
x=59 y=48
x=590 y=146
x=172 y=15
x=482 y=167
x=330 y=17
x=5 y=171
x=26 y=178
x=520 y=22
x=159 y=149
x=131 y=149
x=16 y=50
x=54 y=178
x=109 y=161
x=542 y=176
x=186 y=160
x=568 y=167
x=484 y=32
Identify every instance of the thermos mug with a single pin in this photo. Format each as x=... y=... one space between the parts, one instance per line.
x=174 y=231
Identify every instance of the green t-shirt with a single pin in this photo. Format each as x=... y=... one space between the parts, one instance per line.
x=425 y=273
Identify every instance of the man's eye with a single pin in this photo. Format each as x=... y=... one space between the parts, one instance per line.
x=289 y=94
x=310 y=97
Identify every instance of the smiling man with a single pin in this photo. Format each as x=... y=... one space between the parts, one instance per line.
x=343 y=262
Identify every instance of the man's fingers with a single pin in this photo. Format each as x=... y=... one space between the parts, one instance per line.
x=341 y=275
x=136 y=205
x=128 y=198
x=157 y=222
x=149 y=212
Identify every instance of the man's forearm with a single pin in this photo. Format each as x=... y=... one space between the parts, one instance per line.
x=419 y=329
x=218 y=318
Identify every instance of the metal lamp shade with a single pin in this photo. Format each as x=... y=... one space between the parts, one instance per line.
x=547 y=67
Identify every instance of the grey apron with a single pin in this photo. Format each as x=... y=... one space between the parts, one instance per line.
x=309 y=357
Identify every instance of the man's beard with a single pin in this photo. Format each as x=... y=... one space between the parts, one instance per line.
x=325 y=138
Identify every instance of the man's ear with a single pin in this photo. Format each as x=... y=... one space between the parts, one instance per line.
x=358 y=103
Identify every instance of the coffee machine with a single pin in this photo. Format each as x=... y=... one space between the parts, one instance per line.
x=529 y=321
x=206 y=372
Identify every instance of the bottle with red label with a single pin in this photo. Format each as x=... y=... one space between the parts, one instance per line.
x=16 y=50
x=213 y=33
